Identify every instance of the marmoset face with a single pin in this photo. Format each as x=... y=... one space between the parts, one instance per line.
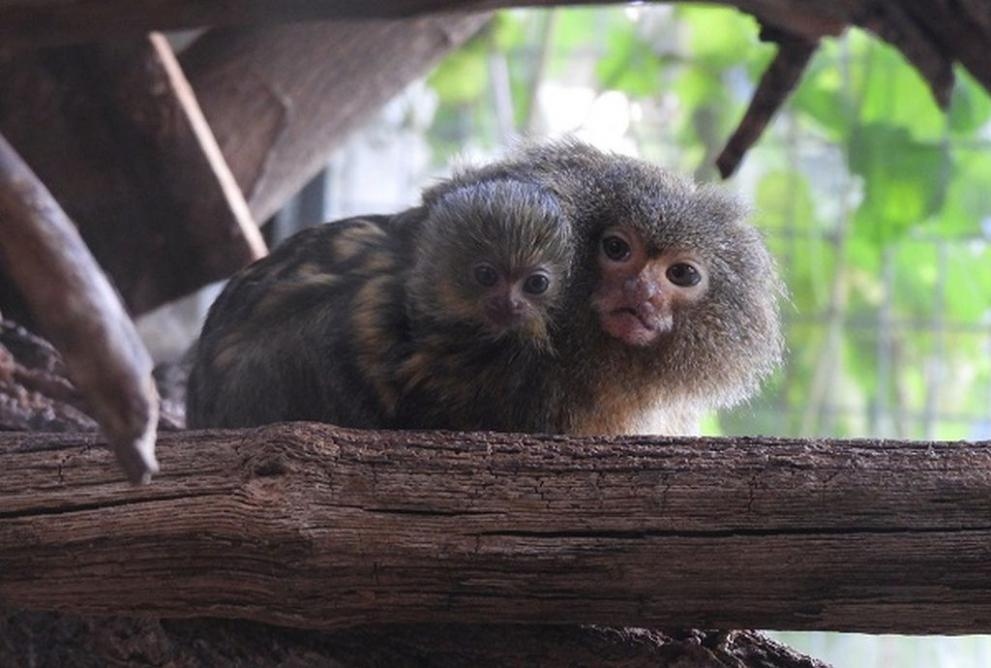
x=642 y=286
x=494 y=256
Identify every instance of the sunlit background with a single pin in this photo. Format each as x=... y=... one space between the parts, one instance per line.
x=876 y=204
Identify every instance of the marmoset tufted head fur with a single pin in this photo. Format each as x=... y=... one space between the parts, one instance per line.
x=493 y=258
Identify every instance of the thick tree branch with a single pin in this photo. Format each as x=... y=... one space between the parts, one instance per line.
x=892 y=23
x=777 y=83
x=312 y=526
x=931 y=35
x=40 y=22
x=78 y=309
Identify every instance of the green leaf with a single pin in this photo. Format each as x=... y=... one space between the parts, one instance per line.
x=968 y=282
x=968 y=199
x=785 y=209
x=905 y=180
x=577 y=35
x=893 y=93
x=695 y=87
x=916 y=272
x=629 y=64
x=970 y=106
x=821 y=96
x=719 y=37
x=582 y=27
x=462 y=77
x=508 y=29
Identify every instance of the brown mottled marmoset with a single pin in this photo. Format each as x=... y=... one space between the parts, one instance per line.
x=429 y=318
x=662 y=304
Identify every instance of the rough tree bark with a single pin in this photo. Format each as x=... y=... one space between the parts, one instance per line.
x=34 y=393
x=68 y=642
x=316 y=527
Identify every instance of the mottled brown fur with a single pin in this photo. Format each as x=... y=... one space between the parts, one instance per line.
x=376 y=323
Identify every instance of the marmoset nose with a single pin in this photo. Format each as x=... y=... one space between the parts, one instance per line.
x=640 y=288
x=504 y=309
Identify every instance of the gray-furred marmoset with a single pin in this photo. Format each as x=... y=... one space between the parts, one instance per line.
x=661 y=303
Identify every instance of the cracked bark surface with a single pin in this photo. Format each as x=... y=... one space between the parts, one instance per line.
x=311 y=526
x=35 y=393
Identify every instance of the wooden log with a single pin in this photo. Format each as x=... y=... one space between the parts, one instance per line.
x=312 y=526
x=66 y=641
x=115 y=132
x=279 y=99
x=79 y=311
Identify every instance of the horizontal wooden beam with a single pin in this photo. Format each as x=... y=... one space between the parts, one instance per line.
x=312 y=526
x=42 y=22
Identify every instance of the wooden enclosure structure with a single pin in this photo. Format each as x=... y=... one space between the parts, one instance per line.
x=118 y=153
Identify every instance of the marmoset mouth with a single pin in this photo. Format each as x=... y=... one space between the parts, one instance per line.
x=504 y=320
x=636 y=314
x=634 y=326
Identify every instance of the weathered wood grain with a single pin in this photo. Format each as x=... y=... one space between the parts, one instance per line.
x=317 y=527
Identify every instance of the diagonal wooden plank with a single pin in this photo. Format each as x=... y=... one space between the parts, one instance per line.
x=281 y=98
x=116 y=134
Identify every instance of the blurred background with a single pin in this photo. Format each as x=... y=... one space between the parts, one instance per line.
x=876 y=204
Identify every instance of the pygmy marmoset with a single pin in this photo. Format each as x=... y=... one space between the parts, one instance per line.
x=661 y=303
x=674 y=296
x=426 y=319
